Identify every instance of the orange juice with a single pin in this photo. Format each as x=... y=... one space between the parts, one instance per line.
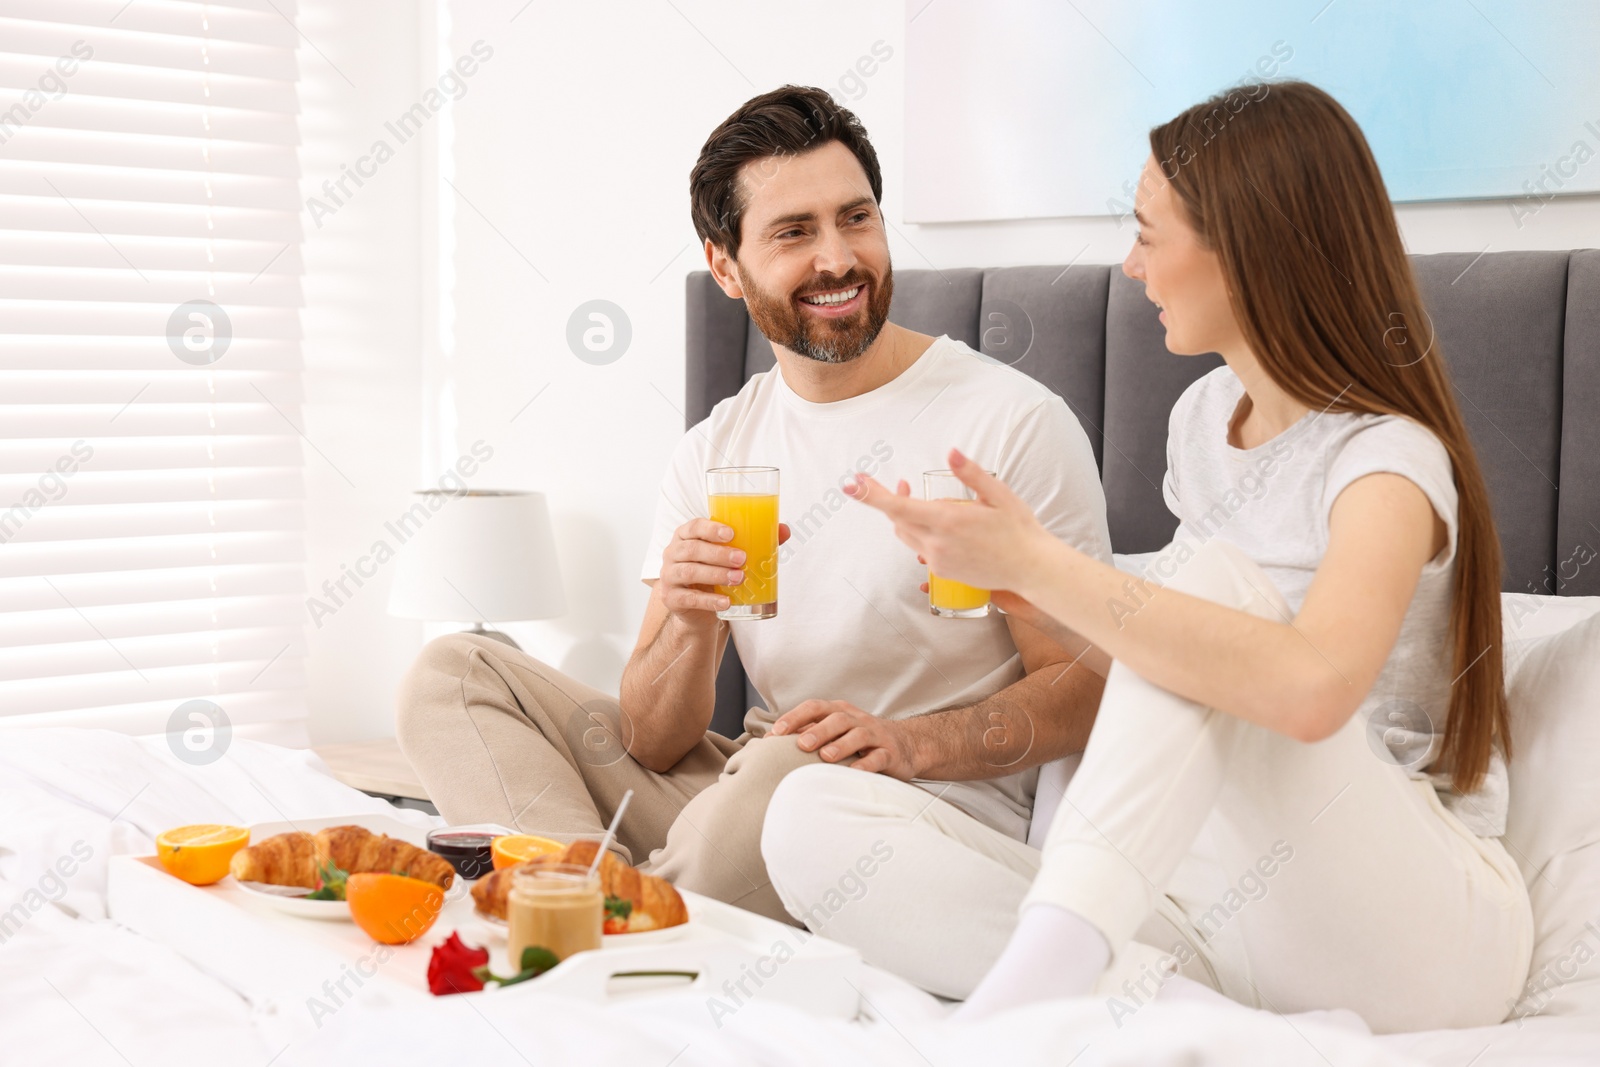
x=954 y=599
x=947 y=598
x=754 y=519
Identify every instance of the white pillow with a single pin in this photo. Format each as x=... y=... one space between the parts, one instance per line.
x=1133 y=563
x=1553 y=825
x=1524 y=616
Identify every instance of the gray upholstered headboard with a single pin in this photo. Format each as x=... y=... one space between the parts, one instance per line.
x=1520 y=330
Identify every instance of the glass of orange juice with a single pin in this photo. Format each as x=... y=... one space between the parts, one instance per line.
x=950 y=599
x=746 y=499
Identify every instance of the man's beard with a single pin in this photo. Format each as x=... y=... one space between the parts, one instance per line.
x=824 y=340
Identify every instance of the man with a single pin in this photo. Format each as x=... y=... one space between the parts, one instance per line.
x=785 y=197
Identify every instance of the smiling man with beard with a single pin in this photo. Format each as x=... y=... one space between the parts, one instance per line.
x=854 y=668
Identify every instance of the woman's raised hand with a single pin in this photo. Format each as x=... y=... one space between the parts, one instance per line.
x=987 y=544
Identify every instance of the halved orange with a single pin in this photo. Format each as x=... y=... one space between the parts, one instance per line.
x=200 y=854
x=392 y=908
x=509 y=850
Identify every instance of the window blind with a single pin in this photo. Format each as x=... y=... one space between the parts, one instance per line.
x=151 y=491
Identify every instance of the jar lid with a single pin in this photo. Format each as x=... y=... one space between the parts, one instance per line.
x=461 y=838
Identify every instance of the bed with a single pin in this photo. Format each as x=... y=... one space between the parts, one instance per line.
x=80 y=988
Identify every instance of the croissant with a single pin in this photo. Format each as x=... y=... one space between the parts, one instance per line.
x=356 y=850
x=656 y=903
x=296 y=858
x=287 y=859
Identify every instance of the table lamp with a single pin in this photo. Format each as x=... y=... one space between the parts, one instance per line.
x=479 y=555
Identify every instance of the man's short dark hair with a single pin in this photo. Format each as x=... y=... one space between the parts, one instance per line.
x=784 y=122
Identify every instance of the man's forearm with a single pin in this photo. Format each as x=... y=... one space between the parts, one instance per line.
x=669 y=692
x=1043 y=717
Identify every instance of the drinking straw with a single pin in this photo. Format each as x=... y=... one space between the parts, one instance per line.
x=611 y=832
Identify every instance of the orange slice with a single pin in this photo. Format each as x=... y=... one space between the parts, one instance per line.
x=392 y=908
x=199 y=854
x=512 y=849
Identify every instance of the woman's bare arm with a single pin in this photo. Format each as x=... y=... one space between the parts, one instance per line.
x=1302 y=677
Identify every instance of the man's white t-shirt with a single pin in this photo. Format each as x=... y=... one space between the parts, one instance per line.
x=852 y=623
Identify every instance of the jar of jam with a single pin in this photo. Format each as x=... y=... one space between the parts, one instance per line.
x=470 y=852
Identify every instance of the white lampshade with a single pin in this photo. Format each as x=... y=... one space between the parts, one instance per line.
x=482 y=555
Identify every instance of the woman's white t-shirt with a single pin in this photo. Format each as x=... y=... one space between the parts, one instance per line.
x=1274 y=500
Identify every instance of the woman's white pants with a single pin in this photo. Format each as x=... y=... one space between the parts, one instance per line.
x=1288 y=876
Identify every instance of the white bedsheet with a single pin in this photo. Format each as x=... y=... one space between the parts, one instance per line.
x=75 y=988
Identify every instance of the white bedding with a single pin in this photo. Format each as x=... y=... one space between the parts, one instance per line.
x=78 y=989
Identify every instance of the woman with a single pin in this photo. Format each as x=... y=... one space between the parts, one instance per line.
x=1336 y=567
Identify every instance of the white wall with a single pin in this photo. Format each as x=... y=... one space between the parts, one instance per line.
x=360 y=65
x=571 y=151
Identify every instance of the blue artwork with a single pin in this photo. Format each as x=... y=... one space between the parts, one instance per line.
x=1040 y=108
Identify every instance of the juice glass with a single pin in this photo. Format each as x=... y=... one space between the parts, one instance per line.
x=950 y=599
x=746 y=499
x=559 y=907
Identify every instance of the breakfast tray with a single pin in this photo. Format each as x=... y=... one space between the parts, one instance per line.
x=267 y=955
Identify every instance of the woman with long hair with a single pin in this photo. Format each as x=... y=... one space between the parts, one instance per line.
x=1306 y=694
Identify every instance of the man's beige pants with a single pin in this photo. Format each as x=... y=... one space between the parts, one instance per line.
x=497 y=736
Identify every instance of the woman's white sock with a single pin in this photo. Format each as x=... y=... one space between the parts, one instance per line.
x=1053 y=954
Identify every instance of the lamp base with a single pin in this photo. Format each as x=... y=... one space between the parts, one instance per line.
x=483 y=631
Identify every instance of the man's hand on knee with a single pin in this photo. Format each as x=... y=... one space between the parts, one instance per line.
x=837 y=730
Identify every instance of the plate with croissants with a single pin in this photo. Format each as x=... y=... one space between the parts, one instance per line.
x=302 y=870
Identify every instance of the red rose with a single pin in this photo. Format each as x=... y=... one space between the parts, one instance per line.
x=451 y=966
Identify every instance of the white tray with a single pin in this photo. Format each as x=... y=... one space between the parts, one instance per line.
x=269 y=956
